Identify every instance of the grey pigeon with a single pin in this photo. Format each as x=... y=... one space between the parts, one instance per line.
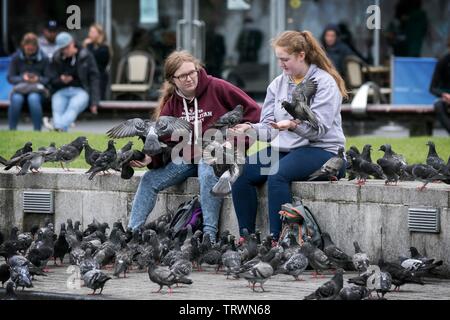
x=49 y=152
x=353 y=293
x=295 y=266
x=364 y=169
x=152 y=132
x=318 y=260
x=260 y=272
x=10 y=292
x=163 y=276
x=95 y=279
x=427 y=174
x=393 y=165
x=330 y=169
x=25 y=149
x=21 y=276
x=378 y=281
x=360 y=259
x=90 y=154
x=69 y=152
x=122 y=261
x=30 y=161
x=87 y=262
x=126 y=171
x=61 y=246
x=299 y=108
x=336 y=255
x=105 y=160
x=416 y=255
x=231 y=118
x=433 y=158
x=182 y=269
x=123 y=154
x=231 y=259
x=400 y=276
x=330 y=289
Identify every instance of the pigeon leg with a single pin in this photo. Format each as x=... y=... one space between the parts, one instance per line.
x=262 y=288
x=298 y=279
x=101 y=290
x=423 y=187
x=160 y=288
x=62 y=166
x=360 y=182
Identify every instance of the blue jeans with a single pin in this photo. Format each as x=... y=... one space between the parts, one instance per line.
x=156 y=180
x=67 y=104
x=296 y=165
x=34 y=104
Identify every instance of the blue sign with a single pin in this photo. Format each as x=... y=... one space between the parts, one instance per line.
x=411 y=79
x=5 y=86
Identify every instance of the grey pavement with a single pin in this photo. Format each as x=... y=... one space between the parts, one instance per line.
x=208 y=285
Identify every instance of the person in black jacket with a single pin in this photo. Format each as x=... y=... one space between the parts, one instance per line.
x=336 y=50
x=75 y=81
x=27 y=73
x=97 y=45
x=440 y=87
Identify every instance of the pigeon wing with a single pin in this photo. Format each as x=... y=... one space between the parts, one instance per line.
x=130 y=128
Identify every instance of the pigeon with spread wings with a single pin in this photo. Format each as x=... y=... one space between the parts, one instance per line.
x=152 y=132
x=299 y=108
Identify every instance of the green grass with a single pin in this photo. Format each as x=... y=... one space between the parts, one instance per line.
x=414 y=149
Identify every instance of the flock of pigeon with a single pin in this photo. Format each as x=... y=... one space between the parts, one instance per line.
x=170 y=260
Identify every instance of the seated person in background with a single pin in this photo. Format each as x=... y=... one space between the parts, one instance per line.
x=47 y=41
x=440 y=87
x=27 y=74
x=75 y=79
x=97 y=45
x=335 y=49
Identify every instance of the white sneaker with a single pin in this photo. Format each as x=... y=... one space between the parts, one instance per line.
x=47 y=123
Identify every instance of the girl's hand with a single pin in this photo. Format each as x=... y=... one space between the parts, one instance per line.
x=284 y=125
x=141 y=164
x=241 y=128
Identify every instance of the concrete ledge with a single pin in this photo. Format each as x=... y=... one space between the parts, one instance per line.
x=375 y=215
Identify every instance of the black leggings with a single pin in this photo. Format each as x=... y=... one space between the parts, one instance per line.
x=442 y=114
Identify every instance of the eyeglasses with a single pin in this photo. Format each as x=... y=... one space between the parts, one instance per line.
x=183 y=77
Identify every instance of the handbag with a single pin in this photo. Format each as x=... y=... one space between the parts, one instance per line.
x=26 y=88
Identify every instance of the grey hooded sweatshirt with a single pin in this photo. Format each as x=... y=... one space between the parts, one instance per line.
x=325 y=104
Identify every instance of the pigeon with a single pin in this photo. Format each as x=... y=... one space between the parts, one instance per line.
x=42 y=249
x=90 y=154
x=152 y=132
x=69 y=152
x=299 y=108
x=49 y=152
x=330 y=289
x=336 y=255
x=353 y=293
x=257 y=273
x=392 y=164
x=31 y=161
x=418 y=266
x=360 y=259
x=105 y=160
x=209 y=253
x=122 y=261
x=416 y=255
x=295 y=266
x=427 y=174
x=181 y=269
x=400 y=276
x=4 y=273
x=25 y=149
x=378 y=281
x=21 y=276
x=318 y=260
x=95 y=279
x=363 y=169
x=61 y=247
x=87 y=262
x=163 y=276
x=126 y=171
x=123 y=155
x=231 y=259
x=230 y=119
x=433 y=158
x=10 y=292
x=330 y=169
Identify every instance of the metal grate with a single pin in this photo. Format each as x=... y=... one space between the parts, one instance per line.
x=38 y=202
x=424 y=220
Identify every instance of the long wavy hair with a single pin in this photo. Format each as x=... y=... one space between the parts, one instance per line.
x=172 y=64
x=297 y=41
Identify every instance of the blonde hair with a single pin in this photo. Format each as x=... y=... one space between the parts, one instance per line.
x=101 y=32
x=295 y=42
x=171 y=65
x=30 y=38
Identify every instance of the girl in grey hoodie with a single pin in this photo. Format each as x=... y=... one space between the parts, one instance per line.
x=297 y=149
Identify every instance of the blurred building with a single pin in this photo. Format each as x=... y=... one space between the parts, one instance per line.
x=159 y=26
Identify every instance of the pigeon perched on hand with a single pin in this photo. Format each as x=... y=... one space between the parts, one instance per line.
x=330 y=169
x=152 y=132
x=300 y=106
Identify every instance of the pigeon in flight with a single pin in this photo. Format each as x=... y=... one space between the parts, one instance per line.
x=299 y=108
x=152 y=132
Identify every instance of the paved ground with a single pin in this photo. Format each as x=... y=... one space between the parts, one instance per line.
x=211 y=286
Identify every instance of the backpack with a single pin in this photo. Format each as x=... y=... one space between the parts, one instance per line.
x=188 y=213
x=299 y=220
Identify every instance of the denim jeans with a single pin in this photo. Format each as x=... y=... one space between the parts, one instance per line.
x=296 y=165
x=156 y=180
x=34 y=104
x=67 y=104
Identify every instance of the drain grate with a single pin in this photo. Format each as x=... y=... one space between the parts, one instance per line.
x=38 y=202
x=424 y=220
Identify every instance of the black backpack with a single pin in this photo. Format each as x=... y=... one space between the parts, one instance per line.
x=300 y=221
x=188 y=213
